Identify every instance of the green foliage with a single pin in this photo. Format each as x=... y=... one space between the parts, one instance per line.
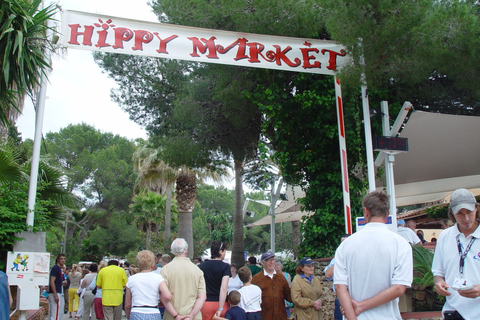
x=303 y=131
x=438 y=212
x=422 y=267
x=23 y=42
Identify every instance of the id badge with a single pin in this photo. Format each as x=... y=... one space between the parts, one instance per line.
x=459 y=283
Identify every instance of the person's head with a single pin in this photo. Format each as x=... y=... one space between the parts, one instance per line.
x=67 y=271
x=102 y=264
x=158 y=257
x=234 y=297
x=268 y=261
x=245 y=274
x=126 y=264
x=306 y=267
x=198 y=260
x=61 y=259
x=218 y=249
x=179 y=247
x=463 y=209
x=233 y=269
x=433 y=239
x=278 y=265
x=113 y=262
x=165 y=259
x=411 y=224
x=252 y=260
x=376 y=204
x=93 y=267
x=145 y=260
x=85 y=272
x=401 y=223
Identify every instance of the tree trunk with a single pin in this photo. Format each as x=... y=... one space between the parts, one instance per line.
x=149 y=237
x=295 y=238
x=238 y=247
x=186 y=196
x=168 y=215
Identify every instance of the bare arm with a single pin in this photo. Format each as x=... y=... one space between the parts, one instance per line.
x=441 y=286
x=128 y=302
x=345 y=301
x=223 y=294
x=201 y=297
x=54 y=289
x=329 y=272
x=380 y=298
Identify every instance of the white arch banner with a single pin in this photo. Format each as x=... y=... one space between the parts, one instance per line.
x=96 y=32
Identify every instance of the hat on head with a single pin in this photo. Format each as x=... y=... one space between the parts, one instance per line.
x=267 y=255
x=305 y=261
x=400 y=222
x=462 y=199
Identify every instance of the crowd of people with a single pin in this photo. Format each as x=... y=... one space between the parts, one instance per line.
x=371 y=270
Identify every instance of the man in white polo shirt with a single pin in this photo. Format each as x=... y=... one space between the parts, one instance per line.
x=456 y=264
x=407 y=233
x=374 y=266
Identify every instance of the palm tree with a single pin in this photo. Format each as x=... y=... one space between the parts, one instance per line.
x=155 y=174
x=23 y=44
x=148 y=210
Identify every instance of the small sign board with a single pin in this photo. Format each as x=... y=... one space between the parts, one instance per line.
x=361 y=223
x=382 y=143
x=28 y=267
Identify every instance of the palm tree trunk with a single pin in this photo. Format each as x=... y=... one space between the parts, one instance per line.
x=238 y=246
x=168 y=215
x=295 y=238
x=149 y=237
x=186 y=196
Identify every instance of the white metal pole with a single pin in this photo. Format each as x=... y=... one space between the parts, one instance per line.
x=366 y=124
x=40 y=110
x=389 y=161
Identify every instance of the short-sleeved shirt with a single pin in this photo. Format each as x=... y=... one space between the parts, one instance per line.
x=111 y=280
x=185 y=281
x=235 y=313
x=254 y=268
x=214 y=271
x=57 y=272
x=251 y=298
x=145 y=291
x=370 y=261
x=408 y=234
x=446 y=264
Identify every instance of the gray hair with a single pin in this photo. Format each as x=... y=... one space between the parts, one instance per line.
x=279 y=262
x=179 y=246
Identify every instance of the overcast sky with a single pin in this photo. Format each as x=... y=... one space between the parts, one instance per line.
x=78 y=90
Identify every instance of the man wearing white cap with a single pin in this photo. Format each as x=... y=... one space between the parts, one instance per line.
x=456 y=264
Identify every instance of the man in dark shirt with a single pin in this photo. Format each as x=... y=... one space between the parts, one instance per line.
x=55 y=294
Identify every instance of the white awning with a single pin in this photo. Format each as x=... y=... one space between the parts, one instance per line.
x=285 y=211
x=444 y=154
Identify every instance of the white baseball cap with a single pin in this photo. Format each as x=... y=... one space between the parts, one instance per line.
x=462 y=199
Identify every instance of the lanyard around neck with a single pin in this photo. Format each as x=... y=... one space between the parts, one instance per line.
x=463 y=254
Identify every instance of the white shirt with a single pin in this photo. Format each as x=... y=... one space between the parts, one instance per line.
x=370 y=261
x=145 y=291
x=234 y=284
x=446 y=264
x=251 y=298
x=408 y=234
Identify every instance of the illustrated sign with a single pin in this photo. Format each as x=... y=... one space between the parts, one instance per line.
x=96 y=32
x=28 y=267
